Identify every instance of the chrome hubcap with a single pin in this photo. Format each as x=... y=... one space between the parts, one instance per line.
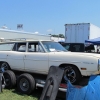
x=70 y=74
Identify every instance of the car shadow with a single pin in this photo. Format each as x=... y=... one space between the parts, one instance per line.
x=37 y=94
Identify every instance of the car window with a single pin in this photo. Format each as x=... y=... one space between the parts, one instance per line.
x=6 y=47
x=77 y=48
x=20 y=47
x=35 y=47
x=67 y=47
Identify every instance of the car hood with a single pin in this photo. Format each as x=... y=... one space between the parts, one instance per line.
x=88 y=54
x=78 y=54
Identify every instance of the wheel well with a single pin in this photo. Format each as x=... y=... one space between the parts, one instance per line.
x=63 y=65
x=4 y=62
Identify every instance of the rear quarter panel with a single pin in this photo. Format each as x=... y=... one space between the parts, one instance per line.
x=3 y=55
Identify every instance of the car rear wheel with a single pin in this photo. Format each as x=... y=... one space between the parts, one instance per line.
x=26 y=83
x=4 y=66
x=72 y=73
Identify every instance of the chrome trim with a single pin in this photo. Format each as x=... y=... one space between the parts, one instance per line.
x=60 y=89
x=63 y=89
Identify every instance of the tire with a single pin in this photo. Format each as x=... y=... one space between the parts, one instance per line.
x=10 y=79
x=4 y=66
x=26 y=83
x=72 y=73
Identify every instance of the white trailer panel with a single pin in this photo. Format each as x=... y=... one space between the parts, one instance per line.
x=10 y=34
x=94 y=32
x=78 y=33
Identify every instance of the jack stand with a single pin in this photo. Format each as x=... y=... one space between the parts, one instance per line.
x=52 y=83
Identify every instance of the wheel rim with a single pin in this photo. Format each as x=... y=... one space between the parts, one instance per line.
x=24 y=84
x=4 y=66
x=70 y=74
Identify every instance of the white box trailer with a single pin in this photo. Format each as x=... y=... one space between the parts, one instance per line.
x=11 y=34
x=78 y=33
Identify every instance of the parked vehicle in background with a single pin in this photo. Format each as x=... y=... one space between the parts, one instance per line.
x=74 y=47
x=90 y=48
x=78 y=47
x=36 y=56
x=78 y=33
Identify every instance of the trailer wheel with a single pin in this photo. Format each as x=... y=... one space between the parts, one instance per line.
x=26 y=83
x=72 y=73
x=10 y=79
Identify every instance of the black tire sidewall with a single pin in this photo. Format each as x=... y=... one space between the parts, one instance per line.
x=12 y=79
x=31 y=82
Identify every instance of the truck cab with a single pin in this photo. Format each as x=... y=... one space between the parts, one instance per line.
x=74 y=47
x=78 y=47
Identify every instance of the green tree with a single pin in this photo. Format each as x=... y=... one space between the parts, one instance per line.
x=61 y=36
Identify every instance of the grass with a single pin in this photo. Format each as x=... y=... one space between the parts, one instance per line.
x=14 y=95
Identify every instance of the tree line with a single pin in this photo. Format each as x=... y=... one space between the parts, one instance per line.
x=59 y=35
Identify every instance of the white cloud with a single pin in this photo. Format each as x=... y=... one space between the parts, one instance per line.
x=36 y=32
x=49 y=30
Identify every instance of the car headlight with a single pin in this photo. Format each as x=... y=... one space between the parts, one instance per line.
x=98 y=64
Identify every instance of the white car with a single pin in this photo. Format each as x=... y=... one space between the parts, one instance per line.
x=35 y=56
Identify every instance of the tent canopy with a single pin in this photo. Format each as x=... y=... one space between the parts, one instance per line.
x=95 y=41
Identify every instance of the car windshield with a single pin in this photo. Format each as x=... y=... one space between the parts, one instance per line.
x=53 y=46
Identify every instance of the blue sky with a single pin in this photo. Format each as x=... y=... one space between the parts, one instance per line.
x=48 y=16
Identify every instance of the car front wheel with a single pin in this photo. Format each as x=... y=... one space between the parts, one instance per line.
x=72 y=73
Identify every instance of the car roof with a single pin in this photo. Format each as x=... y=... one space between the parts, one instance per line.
x=19 y=40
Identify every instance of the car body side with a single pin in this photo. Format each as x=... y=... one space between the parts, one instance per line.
x=41 y=62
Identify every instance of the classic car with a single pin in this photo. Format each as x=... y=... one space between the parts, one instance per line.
x=36 y=56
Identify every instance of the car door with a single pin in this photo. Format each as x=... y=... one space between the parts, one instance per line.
x=36 y=60
x=15 y=58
